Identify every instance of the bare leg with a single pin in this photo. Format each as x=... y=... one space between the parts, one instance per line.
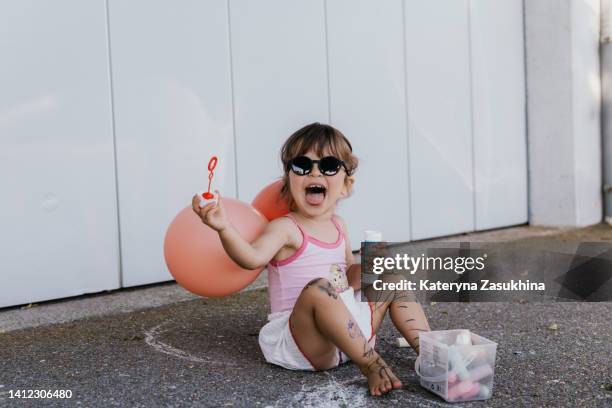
x=320 y=322
x=410 y=320
x=406 y=313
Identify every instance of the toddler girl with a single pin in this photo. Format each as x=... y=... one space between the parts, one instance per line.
x=317 y=319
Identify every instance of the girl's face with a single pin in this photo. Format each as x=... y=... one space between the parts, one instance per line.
x=316 y=194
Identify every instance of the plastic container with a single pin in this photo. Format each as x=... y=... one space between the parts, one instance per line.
x=457 y=365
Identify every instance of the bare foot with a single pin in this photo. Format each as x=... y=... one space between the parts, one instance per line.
x=380 y=377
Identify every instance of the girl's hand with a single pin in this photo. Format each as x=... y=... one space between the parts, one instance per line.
x=212 y=214
x=373 y=250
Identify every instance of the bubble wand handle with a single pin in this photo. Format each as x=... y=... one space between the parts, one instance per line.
x=211 y=167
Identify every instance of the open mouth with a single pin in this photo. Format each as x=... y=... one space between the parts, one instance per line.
x=315 y=194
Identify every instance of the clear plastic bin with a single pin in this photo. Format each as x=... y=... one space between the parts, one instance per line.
x=457 y=365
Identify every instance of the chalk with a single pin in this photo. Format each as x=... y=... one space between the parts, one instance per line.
x=480 y=372
x=459 y=390
x=472 y=392
x=456 y=360
x=485 y=392
x=468 y=389
x=401 y=342
x=463 y=339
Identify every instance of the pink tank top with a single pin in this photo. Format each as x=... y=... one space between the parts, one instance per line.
x=314 y=259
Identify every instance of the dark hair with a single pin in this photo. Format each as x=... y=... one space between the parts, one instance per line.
x=319 y=137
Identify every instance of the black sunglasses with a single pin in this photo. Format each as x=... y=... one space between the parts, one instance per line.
x=328 y=166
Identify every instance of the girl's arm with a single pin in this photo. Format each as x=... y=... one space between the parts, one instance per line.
x=247 y=255
x=258 y=253
x=353 y=270
x=353 y=274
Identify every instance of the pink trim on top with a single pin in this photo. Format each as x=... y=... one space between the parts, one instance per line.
x=308 y=238
x=327 y=244
x=300 y=249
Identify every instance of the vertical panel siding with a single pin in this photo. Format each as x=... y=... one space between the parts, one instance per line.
x=172 y=94
x=58 y=220
x=500 y=157
x=439 y=117
x=367 y=94
x=280 y=81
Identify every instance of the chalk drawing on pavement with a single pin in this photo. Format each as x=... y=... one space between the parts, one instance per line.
x=152 y=339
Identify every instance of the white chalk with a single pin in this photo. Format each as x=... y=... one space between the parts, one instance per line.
x=372 y=236
x=457 y=363
x=463 y=339
x=401 y=342
x=485 y=392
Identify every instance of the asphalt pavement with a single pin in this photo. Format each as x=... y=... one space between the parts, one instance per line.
x=190 y=351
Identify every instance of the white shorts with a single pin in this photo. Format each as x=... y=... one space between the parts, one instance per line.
x=279 y=347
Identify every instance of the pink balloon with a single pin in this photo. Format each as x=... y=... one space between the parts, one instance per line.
x=269 y=202
x=196 y=258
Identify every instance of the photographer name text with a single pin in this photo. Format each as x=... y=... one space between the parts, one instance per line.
x=426 y=284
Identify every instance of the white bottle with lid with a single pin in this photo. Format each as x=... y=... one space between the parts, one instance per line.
x=370 y=236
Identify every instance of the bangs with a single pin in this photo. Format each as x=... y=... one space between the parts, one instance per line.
x=324 y=140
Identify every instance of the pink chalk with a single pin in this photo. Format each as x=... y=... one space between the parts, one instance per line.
x=474 y=391
x=463 y=390
x=457 y=391
x=452 y=377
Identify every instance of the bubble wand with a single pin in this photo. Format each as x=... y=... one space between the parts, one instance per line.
x=212 y=163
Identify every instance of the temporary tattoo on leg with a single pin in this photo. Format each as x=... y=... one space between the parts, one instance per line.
x=311 y=283
x=354 y=330
x=382 y=367
x=383 y=370
x=329 y=289
x=375 y=294
x=367 y=350
x=381 y=300
x=404 y=297
x=355 y=333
